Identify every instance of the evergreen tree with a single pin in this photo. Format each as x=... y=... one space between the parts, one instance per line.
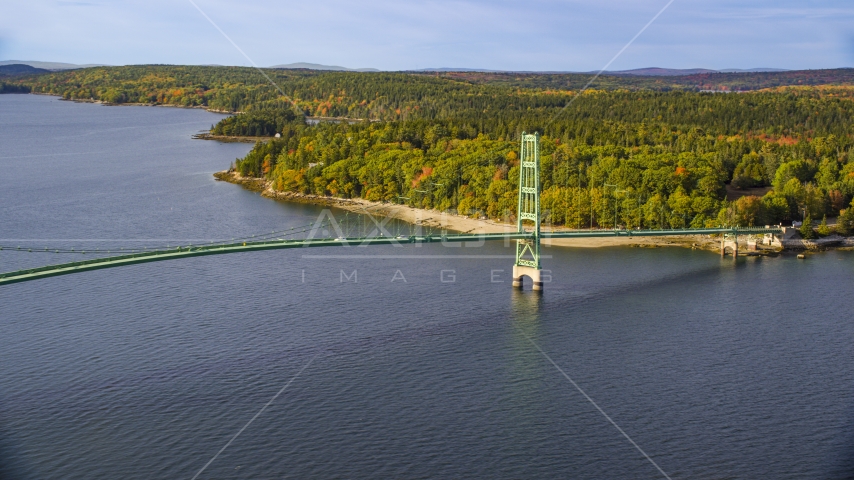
x=806 y=229
x=672 y=152
x=823 y=229
x=845 y=222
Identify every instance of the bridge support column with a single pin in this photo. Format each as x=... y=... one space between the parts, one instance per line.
x=534 y=274
x=528 y=249
x=751 y=244
x=729 y=240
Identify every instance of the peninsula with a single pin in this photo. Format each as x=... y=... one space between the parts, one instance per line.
x=630 y=151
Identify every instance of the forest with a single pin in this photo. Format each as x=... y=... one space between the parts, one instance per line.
x=641 y=152
x=716 y=81
x=649 y=175
x=6 y=87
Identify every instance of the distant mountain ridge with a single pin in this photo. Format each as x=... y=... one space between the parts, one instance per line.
x=647 y=72
x=317 y=66
x=48 y=65
x=452 y=69
x=20 y=69
x=678 y=72
x=644 y=72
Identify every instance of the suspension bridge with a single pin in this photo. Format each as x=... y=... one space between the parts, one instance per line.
x=528 y=235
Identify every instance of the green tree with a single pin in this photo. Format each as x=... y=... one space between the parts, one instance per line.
x=454 y=137
x=746 y=210
x=845 y=222
x=823 y=229
x=775 y=209
x=806 y=229
x=750 y=172
x=795 y=170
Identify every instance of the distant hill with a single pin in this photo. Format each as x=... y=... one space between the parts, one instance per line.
x=710 y=81
x=451 y=69
x=753 y=70
x=48 y=65
x=20 y=69
x=661 y=72
x=681 y=72
x=317 y=66
x=643 y=72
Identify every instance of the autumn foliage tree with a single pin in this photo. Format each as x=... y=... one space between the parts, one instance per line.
x=450 y=141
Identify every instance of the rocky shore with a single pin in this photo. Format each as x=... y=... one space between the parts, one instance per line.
x=229 y=138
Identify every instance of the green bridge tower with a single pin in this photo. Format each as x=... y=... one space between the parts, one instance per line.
x=528 y=249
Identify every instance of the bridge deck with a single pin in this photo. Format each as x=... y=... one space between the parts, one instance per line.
x=196 y=251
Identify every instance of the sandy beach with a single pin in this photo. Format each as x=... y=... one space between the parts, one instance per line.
x=460 y=223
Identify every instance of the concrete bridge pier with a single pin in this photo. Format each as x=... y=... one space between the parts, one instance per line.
x=534 y=274
x=751 y=244
x=731 y=242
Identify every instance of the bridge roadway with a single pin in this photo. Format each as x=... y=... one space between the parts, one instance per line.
x=219 y=249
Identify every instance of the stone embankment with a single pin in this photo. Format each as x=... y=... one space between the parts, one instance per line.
x=791 y=239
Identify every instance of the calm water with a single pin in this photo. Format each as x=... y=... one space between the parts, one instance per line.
x=716 y=369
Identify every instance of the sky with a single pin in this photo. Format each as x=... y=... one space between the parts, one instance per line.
x=533 y=35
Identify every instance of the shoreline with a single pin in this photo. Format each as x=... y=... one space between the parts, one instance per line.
x=464 y=224
x=132 y=104
x=230 y=138
x=454 y=222
x=201 y=136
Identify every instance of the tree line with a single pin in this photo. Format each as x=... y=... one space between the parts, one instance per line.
x=630 y=176
x=636 y=151
x=7 y=87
